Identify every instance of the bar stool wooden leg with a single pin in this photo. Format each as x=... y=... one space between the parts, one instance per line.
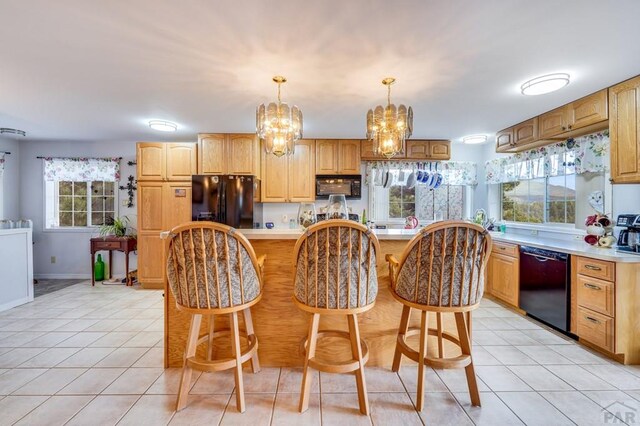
x=248 y=324
x=424 y=332
x=356 y=350
x=465 y=345
x=311 y=352
x=469 y=327
x=190 y=351
x=440 y=340
x=210 y=342
x=402 y=331
x=235 y=350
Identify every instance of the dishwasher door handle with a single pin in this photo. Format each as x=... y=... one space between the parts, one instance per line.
x=541 y=258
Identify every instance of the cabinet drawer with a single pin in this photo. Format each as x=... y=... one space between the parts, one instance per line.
x=596 y=295
x=596 y=328
x=107 y=245
x=506 y=249
x=596 y=268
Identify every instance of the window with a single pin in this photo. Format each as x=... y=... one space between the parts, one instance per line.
x=395 y=203
x=79 y=204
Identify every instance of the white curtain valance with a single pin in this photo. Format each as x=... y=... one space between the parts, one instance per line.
x=453 y=172
x=588 y=153
x=1 y=164
x=82 y=169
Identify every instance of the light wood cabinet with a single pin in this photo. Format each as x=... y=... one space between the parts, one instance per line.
x=366 y=150
x=504 y=140
x=503 y=274
x=525 y=133
x=440 y=150
x=553 y=123
x=417 y=150
x=338 y=157
x=151 y=264
x=589 y=110
x=150 y=206
x=228 y=154
x=624 y=131
x=160 y=161
x=290 y=178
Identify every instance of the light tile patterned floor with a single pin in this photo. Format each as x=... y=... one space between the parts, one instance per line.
x=86 y=355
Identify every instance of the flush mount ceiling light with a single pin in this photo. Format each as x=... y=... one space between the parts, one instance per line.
x=12 y=131
x=474 y=139
x=388 y=127
x=545 y=84
x=163 y=126
x=277 y=125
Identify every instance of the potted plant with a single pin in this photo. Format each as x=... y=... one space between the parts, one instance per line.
x=116 y=227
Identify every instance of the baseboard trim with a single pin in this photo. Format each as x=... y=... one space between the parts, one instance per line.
x=62 y=276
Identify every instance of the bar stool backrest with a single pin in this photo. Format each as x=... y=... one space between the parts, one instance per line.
x=444 y=265
x=211 y=265
x=336 y=266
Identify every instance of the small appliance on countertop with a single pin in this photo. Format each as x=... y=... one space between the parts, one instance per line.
x=629 y=238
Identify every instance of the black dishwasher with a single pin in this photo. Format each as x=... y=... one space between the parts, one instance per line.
x=545 y=286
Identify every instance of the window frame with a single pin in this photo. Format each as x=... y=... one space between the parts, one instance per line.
x=56 y=207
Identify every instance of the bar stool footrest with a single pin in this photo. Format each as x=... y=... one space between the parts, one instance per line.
x=444 y=363
x=337 y=367
x=202 y=364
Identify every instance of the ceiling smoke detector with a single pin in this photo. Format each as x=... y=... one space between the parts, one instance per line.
x=12 y=131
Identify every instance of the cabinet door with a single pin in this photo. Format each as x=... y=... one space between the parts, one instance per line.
x=624 y=131
x=182 y=161
x=525 y=132
x=326 y=157
x=504 y=140
x=151 y=160
x=417 y=150
x=212 y=154
x=349 y=157
x=274 y=178
x=553 y=123
x=302 y=172
x=589 y=110
x=151 y=255
x=366 y=150
x=241 y=154
x=504 y=278
x=440 y=150
x=150 y=206
x=177 y=205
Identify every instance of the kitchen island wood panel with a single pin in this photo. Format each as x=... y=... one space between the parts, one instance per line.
x=281 y=327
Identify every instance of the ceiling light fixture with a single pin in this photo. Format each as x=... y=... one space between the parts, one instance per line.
x=277 y=125
x=474 y=139
x=388 y=127
x=163 y=126
x=12 y=131
x=545 y=84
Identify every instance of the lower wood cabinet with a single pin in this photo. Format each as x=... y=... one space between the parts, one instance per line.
x=503 y=276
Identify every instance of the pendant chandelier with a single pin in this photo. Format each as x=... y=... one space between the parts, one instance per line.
x=279 y=126
x=388 y=127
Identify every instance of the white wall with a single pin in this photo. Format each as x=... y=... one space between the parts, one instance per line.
x=10 y=191
x=71 y=249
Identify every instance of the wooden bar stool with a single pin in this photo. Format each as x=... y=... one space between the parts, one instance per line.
x=213 y=270
x=335 y=274
x=441 y=270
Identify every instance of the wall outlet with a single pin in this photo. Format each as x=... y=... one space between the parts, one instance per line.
x=285 y=218
x=53 y=259
x=534 y=232
x=125 y=203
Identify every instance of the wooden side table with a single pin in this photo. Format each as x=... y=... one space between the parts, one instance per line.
x=123 y=244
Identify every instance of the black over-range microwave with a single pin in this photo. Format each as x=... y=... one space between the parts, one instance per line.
x=348 y=185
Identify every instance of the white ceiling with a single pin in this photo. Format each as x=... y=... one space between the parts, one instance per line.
x=85 y=70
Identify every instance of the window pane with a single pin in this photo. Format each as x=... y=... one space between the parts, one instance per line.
x=97 y=219
x=109 y=187
x=408 y=209
x=65 y=219
x=97 y=204
x=536 y=212
x=409 y=195
x=395 y=210
x=80 y=188
x=80 y=204
x=65 y=204
x=64 y=188
x=508 y=210
x=571 y=211
x=97 y=188
x=108 y=203
x=80 y=219
x=521 y=212
x=555 y=212
x=395 y=194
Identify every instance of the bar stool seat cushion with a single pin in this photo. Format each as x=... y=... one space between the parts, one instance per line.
x=343 y=291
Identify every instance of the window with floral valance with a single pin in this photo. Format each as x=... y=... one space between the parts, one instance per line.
x=81 y=169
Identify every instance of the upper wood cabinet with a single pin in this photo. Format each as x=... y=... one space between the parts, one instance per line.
x=525 y=132
x=624 y=131
x=290 y=178
x=338 y=157
x=553 y=123
x=589 y=110
x=230 y=154
x=160 y=161
x=504 y=140
x=415 y=149
x=418 y=150
x=440 y=150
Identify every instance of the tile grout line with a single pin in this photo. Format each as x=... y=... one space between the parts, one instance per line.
x=275 y=398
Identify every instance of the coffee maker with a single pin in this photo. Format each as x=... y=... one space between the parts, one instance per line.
x=629 y=238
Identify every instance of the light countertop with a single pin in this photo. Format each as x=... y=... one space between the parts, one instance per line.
x=568 y=244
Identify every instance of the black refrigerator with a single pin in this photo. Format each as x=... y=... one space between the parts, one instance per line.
x=230 y=199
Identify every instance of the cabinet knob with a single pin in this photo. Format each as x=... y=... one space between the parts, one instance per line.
x=569 y=126
x=564 y=128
